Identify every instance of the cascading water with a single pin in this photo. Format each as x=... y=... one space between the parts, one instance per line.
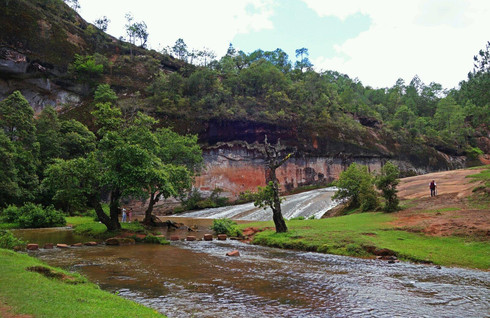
x=306 y=204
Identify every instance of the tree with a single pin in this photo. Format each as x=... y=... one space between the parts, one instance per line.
x=356 y=184
x=9 y=188
x=48 y=136
x=180 y=49
x=386 y=182
x=102 y=23
x=17 y=123
x=268 y=196
x=74 y=4
x=304 y=61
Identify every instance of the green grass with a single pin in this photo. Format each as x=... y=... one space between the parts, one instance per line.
x=346 y=235
x=87 y=226
x=33 y=293
x=483 y=175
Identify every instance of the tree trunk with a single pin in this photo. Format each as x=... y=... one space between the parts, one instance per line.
x=276 y=211
x=101 y=214
x=148 y=213
x=114 y=211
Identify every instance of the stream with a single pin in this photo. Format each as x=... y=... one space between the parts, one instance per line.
x=196 y=279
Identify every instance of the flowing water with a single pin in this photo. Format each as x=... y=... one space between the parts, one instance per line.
x=306 y=204
x=196 y=279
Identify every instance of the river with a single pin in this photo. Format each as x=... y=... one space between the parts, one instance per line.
x=196 y=279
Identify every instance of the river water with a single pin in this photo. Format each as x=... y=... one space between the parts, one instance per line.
x=311 y=203
x=196 y=279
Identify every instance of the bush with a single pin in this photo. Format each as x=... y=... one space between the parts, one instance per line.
x=9 y=241
x=387 y=182
x=10 y=214
x=356 y=183
x=34 y=216
x=225 y=226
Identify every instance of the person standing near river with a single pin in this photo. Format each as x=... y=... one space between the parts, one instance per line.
x=433 y=187
x=130 y=214
x=123 y=215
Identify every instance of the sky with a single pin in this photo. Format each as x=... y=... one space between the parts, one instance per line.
x=375 y=41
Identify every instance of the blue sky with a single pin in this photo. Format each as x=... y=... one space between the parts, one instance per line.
x=376 y=41
x=296 y=26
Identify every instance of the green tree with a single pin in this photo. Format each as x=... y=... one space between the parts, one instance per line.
x=354 y=183
x=9 y=188
x=387 y=182
x=48 y=136
x=102 y=23
x=17 y=123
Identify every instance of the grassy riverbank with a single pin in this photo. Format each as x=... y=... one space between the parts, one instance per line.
x=350 y=235
x=64 y=295
x=450 y=229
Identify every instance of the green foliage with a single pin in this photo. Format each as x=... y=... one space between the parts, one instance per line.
x=356 y=184
x=104 y=94
x=9 y=241
x=33 y=215
x=387 y=182
x=473 y=152
x=225 y=226
x=264 y=197
x=86 y=69
x=151 y=239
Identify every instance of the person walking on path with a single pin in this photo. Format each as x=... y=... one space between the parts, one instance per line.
x=123 y=215
x=433 y=187
x=130 y=214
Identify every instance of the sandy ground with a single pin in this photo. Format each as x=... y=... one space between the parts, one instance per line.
x=449 y=213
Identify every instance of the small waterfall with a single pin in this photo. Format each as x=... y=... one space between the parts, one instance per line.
x=306 y=204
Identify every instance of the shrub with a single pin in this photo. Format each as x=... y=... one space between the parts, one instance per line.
x=10 y=214
x=356 y=183
x=9 y=241
x=34 y=216
x=387 y=182
x=297 y=218
x=225 y=226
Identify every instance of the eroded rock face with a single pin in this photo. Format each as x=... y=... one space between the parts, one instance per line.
x=239 y=167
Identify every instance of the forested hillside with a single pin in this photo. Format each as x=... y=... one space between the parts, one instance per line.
x=55 y=58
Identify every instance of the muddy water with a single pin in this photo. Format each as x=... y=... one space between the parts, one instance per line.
x=196 y=279
x=311 y=203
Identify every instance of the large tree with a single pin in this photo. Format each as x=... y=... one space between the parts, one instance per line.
x=268 y=196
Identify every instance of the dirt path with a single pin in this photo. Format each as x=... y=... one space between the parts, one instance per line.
x=450 y=212
x=6 y=312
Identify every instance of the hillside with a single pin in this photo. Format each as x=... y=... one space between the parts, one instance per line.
x=55 y=58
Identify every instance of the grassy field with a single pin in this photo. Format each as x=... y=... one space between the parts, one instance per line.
x=348 y=235
x=84 y=225
x=69 y=295
x=354 y=233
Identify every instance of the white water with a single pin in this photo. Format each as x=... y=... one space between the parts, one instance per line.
x=306 y=204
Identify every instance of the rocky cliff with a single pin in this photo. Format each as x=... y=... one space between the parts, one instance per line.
x=39 y=40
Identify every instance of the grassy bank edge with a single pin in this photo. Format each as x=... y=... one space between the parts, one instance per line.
x=352 y=235
x=32 y=293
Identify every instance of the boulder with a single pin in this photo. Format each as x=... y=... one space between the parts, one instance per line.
x=119 y=241
x=191 y=238
x=222 y=237
x=233 y=253
x=77 y=245
x=91 y=243
x=32 y=247
x=62 y=245
x=174 y=238
x=48 y=246
x=208 y=237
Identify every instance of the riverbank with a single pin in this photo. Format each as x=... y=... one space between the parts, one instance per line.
x=44 y=291
x=451 y=229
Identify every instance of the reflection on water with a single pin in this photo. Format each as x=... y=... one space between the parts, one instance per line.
x=196 y=279
x=50 y=235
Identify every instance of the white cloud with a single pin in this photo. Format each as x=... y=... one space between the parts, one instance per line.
x=433 y=39
x=211 y=24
